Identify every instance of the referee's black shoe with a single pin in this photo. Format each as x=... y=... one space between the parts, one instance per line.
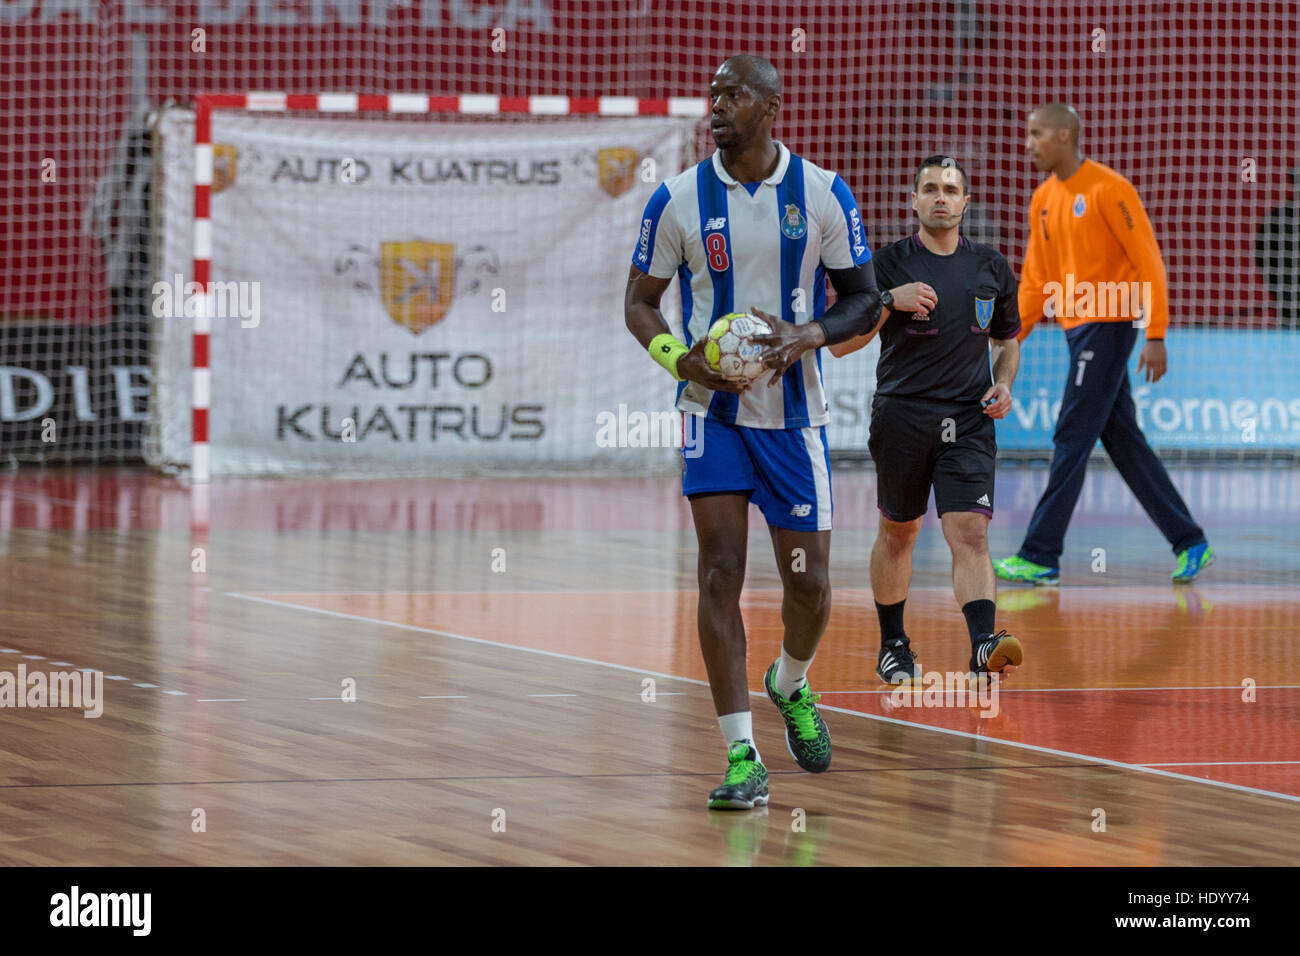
x=994 y=653
x=897 y=664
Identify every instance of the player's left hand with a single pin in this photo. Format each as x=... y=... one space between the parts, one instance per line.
x=1001 y=397
x=786 y=343
x=1154 y=359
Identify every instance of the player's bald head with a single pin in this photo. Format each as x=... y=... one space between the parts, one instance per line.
x=755 y=72
x=1059 y=116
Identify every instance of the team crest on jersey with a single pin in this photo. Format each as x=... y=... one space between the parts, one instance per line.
x=417 y=281
x=616 y=169
x=983 y=312
x=225 y=157
x=1080 y=205
x=793 y=225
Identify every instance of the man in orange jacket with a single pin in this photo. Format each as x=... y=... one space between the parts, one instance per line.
x=1093 y=263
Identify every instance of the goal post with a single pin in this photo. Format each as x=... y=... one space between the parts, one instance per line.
x=437 y=282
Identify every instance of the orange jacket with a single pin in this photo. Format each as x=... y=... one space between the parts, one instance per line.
x=1092 y=255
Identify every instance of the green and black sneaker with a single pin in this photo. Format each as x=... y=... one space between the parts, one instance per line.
x=806 y=736
x=746 y=785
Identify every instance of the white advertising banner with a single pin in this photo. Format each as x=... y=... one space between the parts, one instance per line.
x=416 y=296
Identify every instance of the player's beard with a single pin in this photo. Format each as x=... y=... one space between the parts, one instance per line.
x=736 y=138
x=951 y=221
x=728 y=138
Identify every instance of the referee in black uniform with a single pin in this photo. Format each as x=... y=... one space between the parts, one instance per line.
x=937 y=395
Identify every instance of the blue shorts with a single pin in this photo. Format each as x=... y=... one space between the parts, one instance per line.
x=785 y=471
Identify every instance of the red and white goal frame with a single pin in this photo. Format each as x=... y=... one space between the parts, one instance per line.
x=397 y=103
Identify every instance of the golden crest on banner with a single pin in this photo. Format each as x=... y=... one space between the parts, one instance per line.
x=225 y=157
x=417 y=281
x=616 y=169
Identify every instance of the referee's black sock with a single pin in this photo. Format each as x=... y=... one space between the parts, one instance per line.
x=891 y=621
x=979 y=618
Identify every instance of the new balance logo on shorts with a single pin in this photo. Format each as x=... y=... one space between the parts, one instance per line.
x=984 y=500
x=801 y=511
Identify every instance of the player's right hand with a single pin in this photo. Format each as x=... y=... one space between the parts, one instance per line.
x=694 y=367
x=915 y=297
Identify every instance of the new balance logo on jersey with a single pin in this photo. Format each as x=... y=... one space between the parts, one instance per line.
x=984 y=500
x=717 y=222
x=801 y=511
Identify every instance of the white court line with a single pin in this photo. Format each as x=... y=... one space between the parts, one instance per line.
x=472 y=640
x=92 y=670
x=1137 y=768
x=446 y=697
x=552 y=695
x=1227 y=763
x=1074 y=690
x=221 y=700
x=1140 y=768
x=930 y=588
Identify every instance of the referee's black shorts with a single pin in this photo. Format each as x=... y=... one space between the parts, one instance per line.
x=916 y=443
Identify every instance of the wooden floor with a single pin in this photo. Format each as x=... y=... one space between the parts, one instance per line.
x=530 y=690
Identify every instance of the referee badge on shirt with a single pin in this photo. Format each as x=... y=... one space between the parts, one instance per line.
x=793 y=225
x=984 y=311
x=1080 y=205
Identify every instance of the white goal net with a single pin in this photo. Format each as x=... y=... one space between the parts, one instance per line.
x=1194 y=101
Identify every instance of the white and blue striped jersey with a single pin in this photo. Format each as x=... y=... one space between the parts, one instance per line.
x=734 y=251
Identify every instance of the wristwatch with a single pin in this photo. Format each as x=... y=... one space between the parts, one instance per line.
x=887 y=300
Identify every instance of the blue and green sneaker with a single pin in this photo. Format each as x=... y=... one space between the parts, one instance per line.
x=806 y=736
x=1016 y=568
x=745 y=786
x=1192 y=562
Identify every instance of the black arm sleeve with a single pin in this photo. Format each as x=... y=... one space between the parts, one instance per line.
x=858 y=307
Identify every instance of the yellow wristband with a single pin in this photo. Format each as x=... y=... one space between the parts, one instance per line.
x=667 y=351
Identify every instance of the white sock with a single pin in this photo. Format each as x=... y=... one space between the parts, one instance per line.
x=790 y=674
x=738 y=727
